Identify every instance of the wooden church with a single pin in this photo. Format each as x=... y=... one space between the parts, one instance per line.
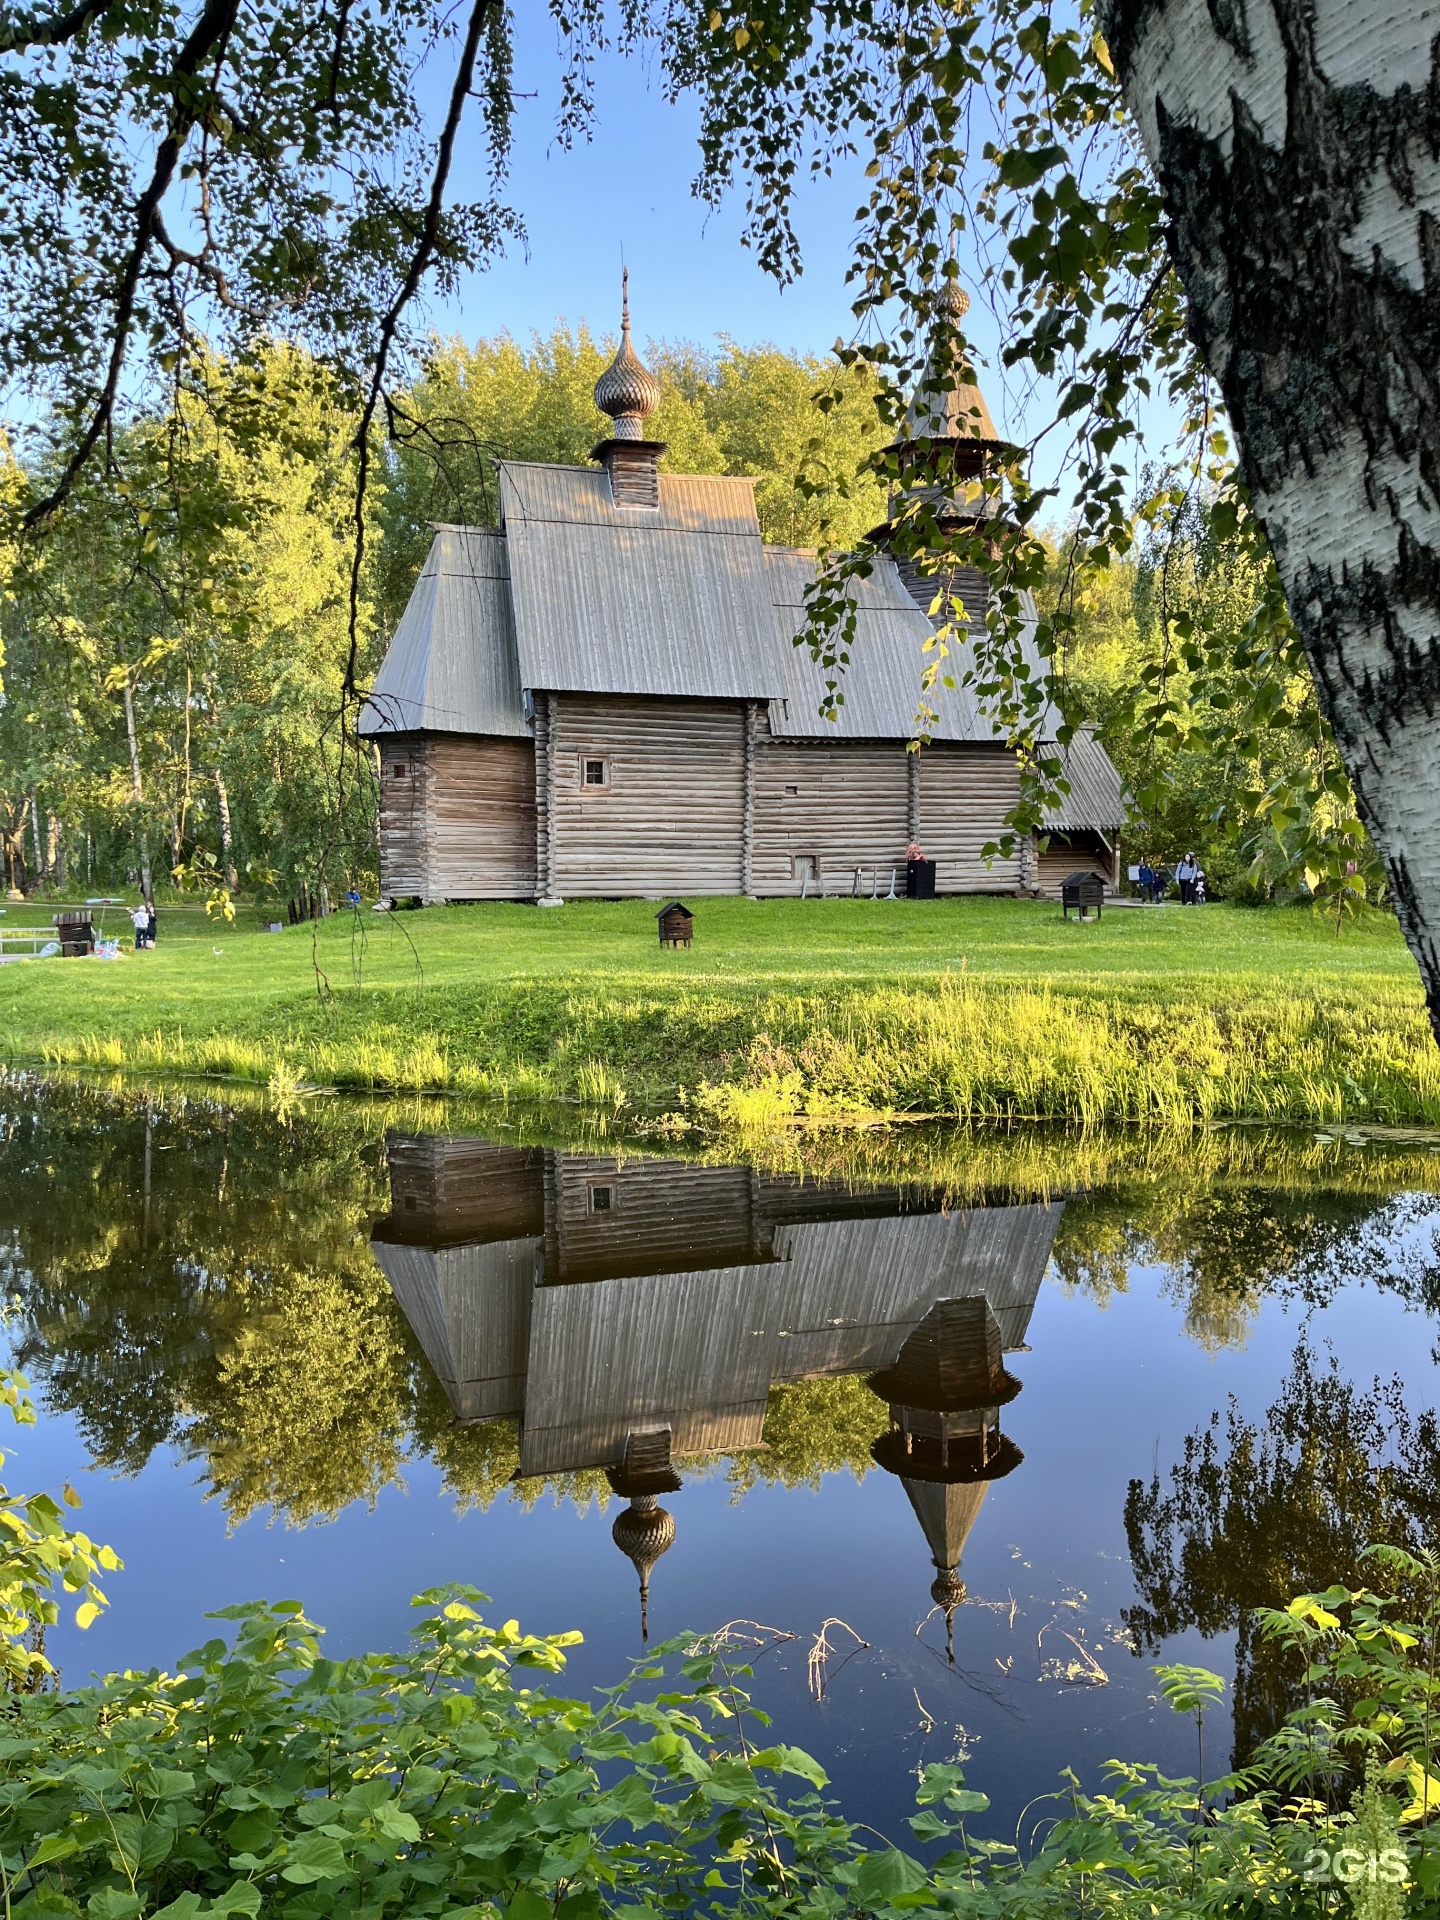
x=633 y=1313
x=603 y=697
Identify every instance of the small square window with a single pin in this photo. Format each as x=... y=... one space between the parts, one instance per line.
x=602 y=1199
x=794 y=790
x=399 y=770
x=597 y=773
x=409 y=1203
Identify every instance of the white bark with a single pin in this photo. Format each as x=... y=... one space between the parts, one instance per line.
x=137 y=790
x=1298 y=147
x=227 y=838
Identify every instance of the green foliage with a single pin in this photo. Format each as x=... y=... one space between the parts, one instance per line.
x=40 y=1558
x=222 y=639
x=1256 y=1509
x=1185 y=657
x=812 y=1427
x=449 y=1780
x=444 y=1780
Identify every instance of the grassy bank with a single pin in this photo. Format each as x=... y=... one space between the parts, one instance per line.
x=976 y=1008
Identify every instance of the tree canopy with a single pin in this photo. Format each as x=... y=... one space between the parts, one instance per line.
x=196 y=183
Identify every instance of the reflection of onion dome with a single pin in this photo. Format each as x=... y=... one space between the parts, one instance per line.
x=627 y=390
x=643 y=1531
x=947 y=1589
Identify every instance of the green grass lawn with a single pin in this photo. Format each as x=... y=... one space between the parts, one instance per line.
x=978 y=1007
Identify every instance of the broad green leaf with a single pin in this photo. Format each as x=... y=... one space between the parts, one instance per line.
x=316 y=1856
x=885 y=1876
x=55 y=1846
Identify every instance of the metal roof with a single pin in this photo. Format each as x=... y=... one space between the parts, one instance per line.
x=881 y=684
x=682 y=600
x=1097 y=794
x=452 y=666
x=671 y=600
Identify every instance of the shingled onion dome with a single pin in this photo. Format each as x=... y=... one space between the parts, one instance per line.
x=627 y=390
x=643 y=1531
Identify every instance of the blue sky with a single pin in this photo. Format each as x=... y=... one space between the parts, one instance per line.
x=626 y=196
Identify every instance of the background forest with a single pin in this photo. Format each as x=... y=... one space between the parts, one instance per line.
x=174 y=646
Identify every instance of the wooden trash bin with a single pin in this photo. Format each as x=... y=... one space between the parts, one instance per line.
x=677 y=925
x=76 y=933
x=1085 y=893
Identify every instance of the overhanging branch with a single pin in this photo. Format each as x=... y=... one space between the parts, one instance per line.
x=209 y=33
x=420 y=261
x=18 y=32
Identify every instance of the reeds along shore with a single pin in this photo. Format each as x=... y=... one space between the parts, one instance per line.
x=742 y=1058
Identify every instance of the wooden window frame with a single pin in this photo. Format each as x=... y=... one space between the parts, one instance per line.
x=400 y=769
x=609 y=1206
x=588 y=760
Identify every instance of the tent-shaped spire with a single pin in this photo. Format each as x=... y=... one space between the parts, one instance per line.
x=945 y=1388
x=947 y=404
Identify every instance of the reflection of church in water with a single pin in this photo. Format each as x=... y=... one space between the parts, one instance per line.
x=632 y=1312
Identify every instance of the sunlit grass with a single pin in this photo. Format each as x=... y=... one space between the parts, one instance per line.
x=988 y=1009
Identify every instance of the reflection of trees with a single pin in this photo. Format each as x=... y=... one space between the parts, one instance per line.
x=1229 y=1246
x=198 y=1275
x=813 y=1427
x=1256 y=1513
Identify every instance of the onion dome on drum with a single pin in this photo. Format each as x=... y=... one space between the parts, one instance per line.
x=627 y=390
x=643 y=1532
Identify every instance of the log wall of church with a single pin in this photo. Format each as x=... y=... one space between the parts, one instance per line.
x=457 y=818
x=661 y=808
x=824 y=808
x=828 y=807
x=404 y=830
x=482 y=818
x=965 y=793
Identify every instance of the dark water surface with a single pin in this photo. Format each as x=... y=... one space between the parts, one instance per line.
x=1076 y=1403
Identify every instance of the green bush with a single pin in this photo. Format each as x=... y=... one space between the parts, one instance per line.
x=450 y=1781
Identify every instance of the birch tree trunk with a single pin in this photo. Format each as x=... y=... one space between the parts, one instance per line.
x=1297 y=144
x=227 y=837
x=137 y=790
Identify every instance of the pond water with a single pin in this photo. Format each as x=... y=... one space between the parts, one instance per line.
x=960 y=1433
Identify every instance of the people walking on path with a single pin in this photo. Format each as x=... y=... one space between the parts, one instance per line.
x=1186 y=874
x=1147 y=881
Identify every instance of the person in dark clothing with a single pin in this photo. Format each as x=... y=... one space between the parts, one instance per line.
x=1187 y=873
x=1147 y=881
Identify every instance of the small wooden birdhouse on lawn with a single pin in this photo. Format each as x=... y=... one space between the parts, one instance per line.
x=1085 y=892
x=677 y=925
